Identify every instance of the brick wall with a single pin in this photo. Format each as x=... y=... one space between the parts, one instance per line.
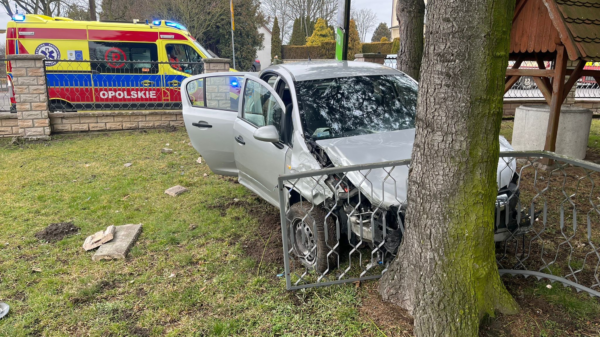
x=9 y=125
x=29 y=80
x=122 y=120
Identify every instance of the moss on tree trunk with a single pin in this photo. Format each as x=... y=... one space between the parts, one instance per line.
x=445 y=273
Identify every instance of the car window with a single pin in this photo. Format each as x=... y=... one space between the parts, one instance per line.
x=184 y=58
x=195 y=91
x=352 y=106
x=260 y=106
x=109 y=57
x=222 y=92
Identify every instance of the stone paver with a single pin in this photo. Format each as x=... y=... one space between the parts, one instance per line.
x=118 y=248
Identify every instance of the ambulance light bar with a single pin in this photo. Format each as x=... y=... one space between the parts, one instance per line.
x=175 y=25
x=19 y=17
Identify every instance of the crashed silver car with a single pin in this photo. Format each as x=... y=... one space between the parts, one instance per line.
x=308 y=116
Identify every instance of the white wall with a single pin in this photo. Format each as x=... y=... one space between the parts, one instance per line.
x=264 y=54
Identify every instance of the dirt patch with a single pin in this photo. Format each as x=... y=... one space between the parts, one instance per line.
x=536 y=315
x=265 y=245
x=389 y=318
x=57 y=231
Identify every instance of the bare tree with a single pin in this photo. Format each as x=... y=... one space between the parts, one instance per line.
x=365 y=20
x=445 y=272
x=45 y=7
x=313 y=9
x=92 y=10
x=281 y=10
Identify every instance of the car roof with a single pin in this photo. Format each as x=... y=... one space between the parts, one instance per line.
x=316 y=70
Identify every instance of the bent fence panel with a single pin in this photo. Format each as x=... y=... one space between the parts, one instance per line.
x=119 y=85
x=547 y=221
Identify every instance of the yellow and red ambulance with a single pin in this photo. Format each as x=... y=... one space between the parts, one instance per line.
x=108 y=65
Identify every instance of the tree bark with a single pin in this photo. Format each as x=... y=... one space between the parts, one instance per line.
x=92 y=10
x=445 y=273
x=411 y=16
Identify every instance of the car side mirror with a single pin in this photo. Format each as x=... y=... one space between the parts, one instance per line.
x=267 y=134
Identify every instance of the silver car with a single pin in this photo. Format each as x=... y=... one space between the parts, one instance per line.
x=308 y=116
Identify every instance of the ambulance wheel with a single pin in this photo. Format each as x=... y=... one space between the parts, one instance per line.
x=58 y=105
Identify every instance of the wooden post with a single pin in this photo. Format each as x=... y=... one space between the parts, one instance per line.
x=558 y=84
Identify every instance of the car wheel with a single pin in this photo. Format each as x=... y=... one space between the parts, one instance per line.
x=314 y=251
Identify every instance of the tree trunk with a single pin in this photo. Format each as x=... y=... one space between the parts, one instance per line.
x=92 y=10
x=445 y=273
x=411 y=15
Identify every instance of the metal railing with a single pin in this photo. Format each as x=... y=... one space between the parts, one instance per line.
x=526 y=88
x=116 y=85
x=390 y=61
x=547 y=221
x=6 y=90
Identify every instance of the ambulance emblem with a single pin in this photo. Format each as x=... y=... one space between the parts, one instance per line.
x=50 y=51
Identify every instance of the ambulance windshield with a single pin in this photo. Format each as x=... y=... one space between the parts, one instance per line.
x=203 y=50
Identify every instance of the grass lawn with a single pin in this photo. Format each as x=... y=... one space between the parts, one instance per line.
x=206 y=262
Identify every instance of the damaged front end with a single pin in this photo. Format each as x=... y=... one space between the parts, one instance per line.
x=370 y=204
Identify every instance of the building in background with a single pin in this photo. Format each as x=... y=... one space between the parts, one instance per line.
x=264 y=54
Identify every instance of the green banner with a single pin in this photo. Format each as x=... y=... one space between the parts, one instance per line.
x=339 y=44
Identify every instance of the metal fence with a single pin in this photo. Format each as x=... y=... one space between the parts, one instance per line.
x=390 y=61
x=116 y=85
x=343 y=225
x=526 y=88
x=6 y=90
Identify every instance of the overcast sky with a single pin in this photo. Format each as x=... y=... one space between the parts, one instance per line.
x=382 y=8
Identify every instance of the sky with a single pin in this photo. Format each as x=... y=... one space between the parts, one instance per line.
x=381 y=8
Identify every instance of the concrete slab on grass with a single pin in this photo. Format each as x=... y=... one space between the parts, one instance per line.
x=119 y=247
x=176 y=190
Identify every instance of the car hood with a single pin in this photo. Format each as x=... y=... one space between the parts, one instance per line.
x=384 y=186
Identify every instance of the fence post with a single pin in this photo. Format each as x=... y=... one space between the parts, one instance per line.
x=29 y=79
x=216 y=65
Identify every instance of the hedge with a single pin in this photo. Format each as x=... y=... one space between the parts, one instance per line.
x=377 y=47
x=325 y=51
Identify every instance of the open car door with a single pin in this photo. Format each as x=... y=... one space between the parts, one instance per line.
x=260 y=151
x=210 y=107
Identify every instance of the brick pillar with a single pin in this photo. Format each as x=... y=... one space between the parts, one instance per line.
x=29 y=79
x=216 y=65
x=372 y=57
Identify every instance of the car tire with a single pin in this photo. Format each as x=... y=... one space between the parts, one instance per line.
x=302 y=219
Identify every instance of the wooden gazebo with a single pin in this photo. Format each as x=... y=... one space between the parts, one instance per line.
x=557 y=31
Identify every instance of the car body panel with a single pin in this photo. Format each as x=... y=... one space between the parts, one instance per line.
x=383 y=186
x=259 y=163
x=214 y=143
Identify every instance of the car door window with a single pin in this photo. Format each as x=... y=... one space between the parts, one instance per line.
x=260 y=106
x=195 y=90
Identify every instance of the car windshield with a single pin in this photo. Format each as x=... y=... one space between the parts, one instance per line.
x=352 y=106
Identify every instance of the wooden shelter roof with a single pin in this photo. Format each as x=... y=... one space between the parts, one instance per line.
x=539 y=25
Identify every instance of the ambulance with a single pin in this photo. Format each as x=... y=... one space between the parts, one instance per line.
x=108 y=65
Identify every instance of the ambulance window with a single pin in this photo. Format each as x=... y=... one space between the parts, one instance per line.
x=195 y=91
x=184 y=58
x=108 y=57
x=223 y=92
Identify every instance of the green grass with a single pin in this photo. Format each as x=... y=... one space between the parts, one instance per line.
x=216 y=290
